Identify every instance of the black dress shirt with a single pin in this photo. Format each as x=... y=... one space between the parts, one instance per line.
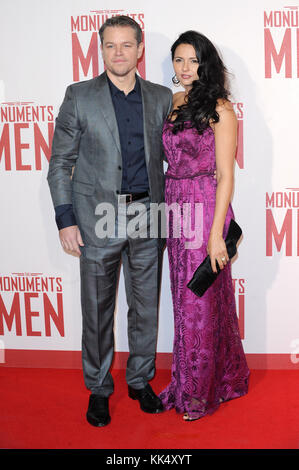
x=129 y=116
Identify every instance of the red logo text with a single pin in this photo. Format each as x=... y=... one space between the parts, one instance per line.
x=282 y=221
x=31 y=305
x=26 y=132
x=281 y=42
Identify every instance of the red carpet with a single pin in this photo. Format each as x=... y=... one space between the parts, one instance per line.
x=45 y=409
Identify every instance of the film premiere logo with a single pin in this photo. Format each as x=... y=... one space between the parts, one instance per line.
x=26 y=132
x=86 y=56
x=282 y=221
x=281 y=42
x=31 y=305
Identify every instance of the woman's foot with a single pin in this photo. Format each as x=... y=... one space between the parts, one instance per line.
x=187 y=417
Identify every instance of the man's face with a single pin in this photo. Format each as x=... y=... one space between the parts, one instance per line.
x=120 y=50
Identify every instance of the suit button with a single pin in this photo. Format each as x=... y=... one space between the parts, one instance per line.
x=117 y=191
x=119 y=167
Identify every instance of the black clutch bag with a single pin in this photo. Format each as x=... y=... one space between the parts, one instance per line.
x=204 y=276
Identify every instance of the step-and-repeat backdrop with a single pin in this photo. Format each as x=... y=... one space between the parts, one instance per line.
x=45 y=46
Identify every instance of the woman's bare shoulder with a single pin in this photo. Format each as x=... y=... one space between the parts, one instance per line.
x=178 y=97
x=224 y=105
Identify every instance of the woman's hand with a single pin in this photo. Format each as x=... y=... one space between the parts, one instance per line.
x=217 y=250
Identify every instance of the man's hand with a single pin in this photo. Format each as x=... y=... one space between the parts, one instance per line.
x=70 y=239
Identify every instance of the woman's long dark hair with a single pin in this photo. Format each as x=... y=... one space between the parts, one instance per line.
x=200 y=108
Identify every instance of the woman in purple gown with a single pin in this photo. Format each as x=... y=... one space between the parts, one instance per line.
x=200 y=136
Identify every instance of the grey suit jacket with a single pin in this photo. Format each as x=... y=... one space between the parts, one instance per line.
x=85 y=165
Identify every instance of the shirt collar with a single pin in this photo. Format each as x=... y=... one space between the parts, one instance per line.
x=114 y=90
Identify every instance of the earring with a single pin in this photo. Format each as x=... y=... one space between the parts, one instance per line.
x=175 y=81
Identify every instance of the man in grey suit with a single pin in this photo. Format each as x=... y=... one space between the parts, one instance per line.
x=107 y=148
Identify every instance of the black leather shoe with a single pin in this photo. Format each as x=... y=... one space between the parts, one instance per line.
x=98 y=411
x=148 y=400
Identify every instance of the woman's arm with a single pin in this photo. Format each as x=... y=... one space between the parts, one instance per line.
x=225 y=142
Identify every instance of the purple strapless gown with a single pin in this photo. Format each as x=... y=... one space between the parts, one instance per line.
x=209 y=364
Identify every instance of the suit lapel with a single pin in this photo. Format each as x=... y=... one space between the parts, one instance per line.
x=148 y=112
x=107 y=109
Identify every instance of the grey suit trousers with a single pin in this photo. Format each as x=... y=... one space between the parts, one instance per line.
x=99 y=269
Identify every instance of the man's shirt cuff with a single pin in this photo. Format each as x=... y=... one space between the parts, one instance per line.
x=64 y=216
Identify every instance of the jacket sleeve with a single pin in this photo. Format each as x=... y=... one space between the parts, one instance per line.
x=65 y=147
